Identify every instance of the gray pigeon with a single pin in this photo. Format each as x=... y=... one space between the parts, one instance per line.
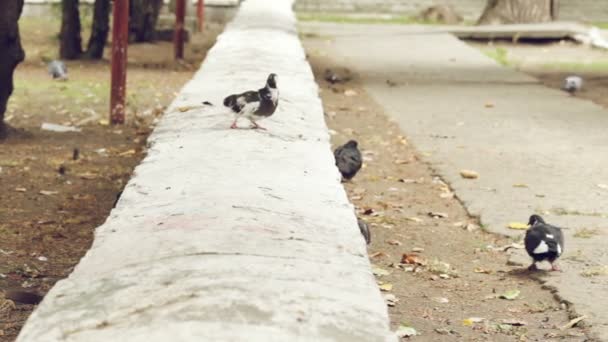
x=573 y=84
x=255 y=104
x=543 y=242
x=364 y=230
x=348 y=159
x=58 y=70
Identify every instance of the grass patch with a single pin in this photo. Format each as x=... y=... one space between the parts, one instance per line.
x=352 y=19
x=500 y=55
x=598 y=66
x=585 y=233
x=601 y=24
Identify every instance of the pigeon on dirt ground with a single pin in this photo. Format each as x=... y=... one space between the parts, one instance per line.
x=23 y=297
x=364 y=230
x=348 y=159
x=255 y=104
x=543 y=242
x=573 y=84
x=58 y=70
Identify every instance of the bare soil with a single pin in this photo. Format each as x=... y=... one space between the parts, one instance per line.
x=450 y=284
x=50 y=201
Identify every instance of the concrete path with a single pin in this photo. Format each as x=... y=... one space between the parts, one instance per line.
x=463 y=111
x=228 y=235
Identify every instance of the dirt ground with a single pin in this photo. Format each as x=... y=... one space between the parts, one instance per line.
x=446 y=274
x=55 y=188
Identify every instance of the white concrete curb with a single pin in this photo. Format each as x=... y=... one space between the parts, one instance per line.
x=228 y=235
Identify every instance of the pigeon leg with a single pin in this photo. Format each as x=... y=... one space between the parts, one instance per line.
x=554 y=267
x=256 y=126
x=233 y=126
x=533 y=267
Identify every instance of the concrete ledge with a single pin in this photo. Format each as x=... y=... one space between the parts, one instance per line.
x=228 y=235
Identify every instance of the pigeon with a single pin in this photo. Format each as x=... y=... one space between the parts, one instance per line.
x=543 y=242
x=364 y=230
x=23 y=297
x=573 y=84
x=58 y=70
x=255 y=105
x=348 y=159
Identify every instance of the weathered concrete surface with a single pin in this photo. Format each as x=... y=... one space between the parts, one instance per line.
x=463 y=111
x=228 y=235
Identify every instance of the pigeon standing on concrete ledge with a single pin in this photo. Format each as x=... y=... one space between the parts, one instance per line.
x=364 y=230
x=573 y=84
x=543 y=242
x=255 y=105
x=348 y=159
x=58 y=70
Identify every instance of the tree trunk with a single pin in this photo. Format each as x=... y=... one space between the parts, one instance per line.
x=99 y=29
x=518 y=12
x=11 y=52
x=143 y=16
x=71 y=43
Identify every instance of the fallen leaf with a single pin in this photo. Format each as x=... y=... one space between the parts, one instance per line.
x=88 y=175
x=414 y=219
x=513 y=322
x=20 y=189
x=441 y=300
x=517 y=225
x=412 y=259
x=104 y=122
x=185 y=108
x=379 y=272
x=595 y=271
x=520 y=185
x=472 y=320
x=48 y=193
x=489 y=105
x=572 y=323
x=127 y=153
x=391 y=299
x=350 y=92
x=417 y=249
x=603 y=186
x=469 y=174
x=379 y=255
x=481 y=270
x=394 y=242
x=368 y=211
x=437 y=214
x=406 y=331
x=401 y=161
x=510 y=294
x=385 y=287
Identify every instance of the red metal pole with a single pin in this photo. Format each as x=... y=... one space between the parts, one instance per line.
x=200 y=13
x=178 y=35
x=119 y=61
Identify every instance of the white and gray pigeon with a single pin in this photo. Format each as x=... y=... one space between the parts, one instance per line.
x=348 y=159
x=58 y=70
x=543 y=242
x=364 y=230
x=255 y=104
x=573 y=84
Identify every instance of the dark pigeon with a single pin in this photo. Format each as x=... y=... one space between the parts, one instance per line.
x=23 y=297
x=58 y=70
x=573 y=84
x=348 y=159
x=364 y=230
x=543 y=242
x=255 y=105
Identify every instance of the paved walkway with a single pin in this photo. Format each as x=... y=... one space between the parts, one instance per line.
x=463 y=111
